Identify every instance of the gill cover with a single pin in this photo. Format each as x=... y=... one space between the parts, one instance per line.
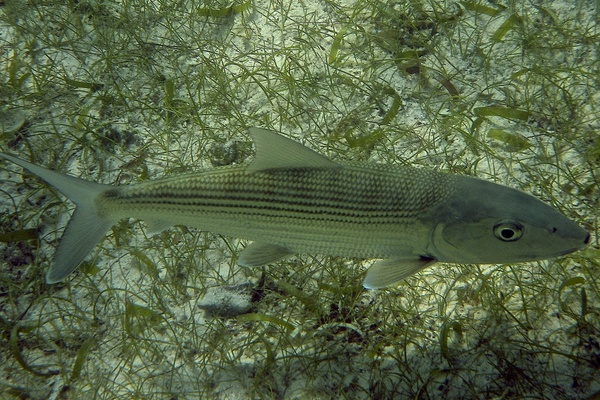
x=486 y=223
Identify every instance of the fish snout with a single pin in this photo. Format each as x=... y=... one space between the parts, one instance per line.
x=586 y=241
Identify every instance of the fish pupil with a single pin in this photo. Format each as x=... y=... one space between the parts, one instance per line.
x=507 y=233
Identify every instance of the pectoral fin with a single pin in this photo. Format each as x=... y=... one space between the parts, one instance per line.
x=387 y=272
x=258 y=254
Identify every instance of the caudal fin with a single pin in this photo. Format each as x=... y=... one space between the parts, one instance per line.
x=85 y=228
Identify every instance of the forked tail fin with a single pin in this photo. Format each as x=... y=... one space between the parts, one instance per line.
x=85 y=228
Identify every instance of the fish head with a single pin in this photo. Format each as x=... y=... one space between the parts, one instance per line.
x=486 y=223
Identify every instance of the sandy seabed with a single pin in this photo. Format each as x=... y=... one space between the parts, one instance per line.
x=122 y=91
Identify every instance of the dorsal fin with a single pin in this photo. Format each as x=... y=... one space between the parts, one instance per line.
x=276 y=151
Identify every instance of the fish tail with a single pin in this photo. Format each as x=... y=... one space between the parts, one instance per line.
x=86 y=227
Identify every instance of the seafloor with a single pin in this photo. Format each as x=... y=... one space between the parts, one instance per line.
x=122 y=91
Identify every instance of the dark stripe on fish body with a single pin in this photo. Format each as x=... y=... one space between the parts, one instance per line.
x=345 y=194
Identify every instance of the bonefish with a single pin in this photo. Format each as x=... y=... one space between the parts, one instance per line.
x=290 y=199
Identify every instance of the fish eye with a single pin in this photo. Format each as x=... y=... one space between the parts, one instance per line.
x=508 y=231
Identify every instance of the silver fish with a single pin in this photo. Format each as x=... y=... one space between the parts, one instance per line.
x=290 y=199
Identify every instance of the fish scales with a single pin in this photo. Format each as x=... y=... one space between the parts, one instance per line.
x=290 y=199
x=351 y=210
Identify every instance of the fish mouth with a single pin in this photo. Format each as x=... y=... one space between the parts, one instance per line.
x=573 y=249
x=586 y=241
x=569 y=251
